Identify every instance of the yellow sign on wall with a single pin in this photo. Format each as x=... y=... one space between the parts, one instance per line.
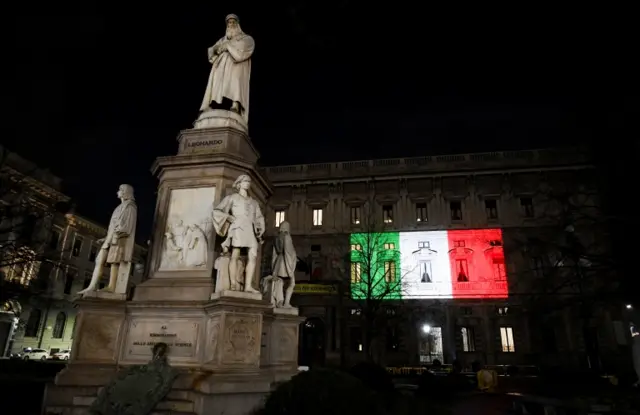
x=315 y=289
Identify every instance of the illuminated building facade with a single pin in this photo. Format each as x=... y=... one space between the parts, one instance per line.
x=44 y=316
x=448 y=232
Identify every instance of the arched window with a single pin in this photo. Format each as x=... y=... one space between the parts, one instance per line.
x=75 y=324
x=33 y=323
x=58 y=329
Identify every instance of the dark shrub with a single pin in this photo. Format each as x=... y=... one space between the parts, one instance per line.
x=321 y=392
x=512 y=370
x=373 y=376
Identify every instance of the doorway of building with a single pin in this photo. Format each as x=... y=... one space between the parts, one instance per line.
x=431 y=345
x=312 y=343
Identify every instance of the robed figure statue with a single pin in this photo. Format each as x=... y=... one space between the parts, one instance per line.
x=230 y=61
x=283 y=265
x=117 y=247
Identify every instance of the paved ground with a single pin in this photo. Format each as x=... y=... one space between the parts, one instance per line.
x=483 y=405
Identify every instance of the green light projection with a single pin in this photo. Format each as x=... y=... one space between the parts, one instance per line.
x=375 y=266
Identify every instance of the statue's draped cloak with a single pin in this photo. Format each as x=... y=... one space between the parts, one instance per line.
x=230 y=73
x=123 y=222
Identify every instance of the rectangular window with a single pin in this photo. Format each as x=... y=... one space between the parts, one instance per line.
x=356 y=276
x=424 y=245
x=87 y=279
x=537 y=267
x=462 y=270
x=355 y=215
x=425 y=272
x=317 y=217
x=389 y=245
x=68 y=280
x=54 y=240
x=279 y=217
x=421 y=212
x=387 y=214
x=506 y=337
x=77 y=246
x=356 y=247
x=468 y=339
x=93 y=253
x=458 y=244
x=390 y=271
x=456 y=210
x=499 y=272
x=491 y=208
x=526 y=206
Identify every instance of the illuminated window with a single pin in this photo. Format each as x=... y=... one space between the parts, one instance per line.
x=356 y=247
x=495 y=242
x=425 y=272
x=421 y=212
x=503 y=311
x=526 y=204
x=25 y=266
x=458 y=244
x=462 y=270
x=390 y=271
x=389 y=245
x=355 y=215
x=456 y=210
x=356 y=272
x=68 y=280
x=499 y=273
x=77 y=246
x=93 y=253
x=279 y=217
x=506 y=337
x=387 y=214
x=356 y=311
x=468 y=339
x=317 y=217
x=491 y=208
x=423 y=245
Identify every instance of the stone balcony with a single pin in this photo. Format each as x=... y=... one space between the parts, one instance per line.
x=502 y=160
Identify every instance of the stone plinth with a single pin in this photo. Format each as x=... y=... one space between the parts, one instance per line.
x=230 y=350
x=218 y=118
x=105 y=295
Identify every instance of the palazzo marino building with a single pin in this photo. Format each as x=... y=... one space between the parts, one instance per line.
x=481 y=245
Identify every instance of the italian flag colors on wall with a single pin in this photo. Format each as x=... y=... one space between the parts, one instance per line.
x=428 y=264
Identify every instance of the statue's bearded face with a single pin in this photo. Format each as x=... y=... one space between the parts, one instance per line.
x=233 y=28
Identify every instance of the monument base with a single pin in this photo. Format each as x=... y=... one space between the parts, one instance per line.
x=231 y=352
x=105 y=295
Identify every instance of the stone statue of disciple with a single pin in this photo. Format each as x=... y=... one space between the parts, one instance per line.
x=117 y=247
x=230 y=61
x=238 y=218
x=283 y=265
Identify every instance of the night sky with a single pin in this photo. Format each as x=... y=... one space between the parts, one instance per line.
x=99 y=93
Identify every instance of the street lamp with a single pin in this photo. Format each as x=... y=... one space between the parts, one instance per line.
x=426 y=328
x=629 y=306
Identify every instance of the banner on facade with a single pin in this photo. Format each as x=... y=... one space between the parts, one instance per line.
x=325 y=289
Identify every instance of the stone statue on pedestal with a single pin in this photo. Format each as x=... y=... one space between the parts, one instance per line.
x=239 y=218
x=283 y=267
x=117 y=246
x=230 y=61
x=635 y=350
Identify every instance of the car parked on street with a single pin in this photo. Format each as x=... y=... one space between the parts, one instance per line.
x=35 y=354
x=61 y=355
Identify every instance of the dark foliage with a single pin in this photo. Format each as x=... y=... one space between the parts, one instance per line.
x=321 y=392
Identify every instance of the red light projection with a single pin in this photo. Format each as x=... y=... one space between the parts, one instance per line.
x=477 y=264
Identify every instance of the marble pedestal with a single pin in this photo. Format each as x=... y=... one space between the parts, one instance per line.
x=231 y=351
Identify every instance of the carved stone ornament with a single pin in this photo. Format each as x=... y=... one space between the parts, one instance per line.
x=137 y=390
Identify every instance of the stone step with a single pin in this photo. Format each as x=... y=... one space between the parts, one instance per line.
x=169 y=405
x=173 y=395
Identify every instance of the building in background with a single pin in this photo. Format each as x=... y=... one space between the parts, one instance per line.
x=48 y=255
x=499 y=250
